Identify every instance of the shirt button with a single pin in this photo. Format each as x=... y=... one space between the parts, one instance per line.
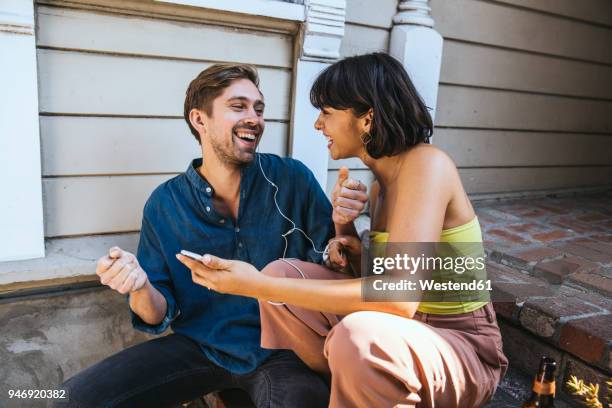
x=208 y=189
x=237 y=229
x=208 y=208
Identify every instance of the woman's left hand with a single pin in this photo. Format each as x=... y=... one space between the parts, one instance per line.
x=223 y=275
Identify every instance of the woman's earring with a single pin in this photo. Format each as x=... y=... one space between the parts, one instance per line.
x=367 y=139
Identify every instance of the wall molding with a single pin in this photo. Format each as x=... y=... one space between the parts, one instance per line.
x=175 y=11
x=266 y=8
x=16 y=22
x=414 y=12
x=324 y=29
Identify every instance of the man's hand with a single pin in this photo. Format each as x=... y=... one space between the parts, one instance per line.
x=349 y=197
x=341 y=248
x=120 y=271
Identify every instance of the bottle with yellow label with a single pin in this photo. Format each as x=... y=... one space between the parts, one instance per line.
x=543 y=391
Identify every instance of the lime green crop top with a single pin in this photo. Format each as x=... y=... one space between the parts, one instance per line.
x=469 y=232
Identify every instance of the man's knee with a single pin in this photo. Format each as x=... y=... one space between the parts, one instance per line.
x=79 y=389
x=118 y=374
x=303 y=388
x=307 y=390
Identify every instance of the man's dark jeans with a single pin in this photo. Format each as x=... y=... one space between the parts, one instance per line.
x=172 y=369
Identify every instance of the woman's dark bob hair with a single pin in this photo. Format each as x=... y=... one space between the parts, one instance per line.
x=380 y=82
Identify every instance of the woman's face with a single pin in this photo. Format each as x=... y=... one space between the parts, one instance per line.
x=342 y=130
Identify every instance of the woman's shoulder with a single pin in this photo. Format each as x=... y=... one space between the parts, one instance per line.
x=427 y=156
x=428 y=171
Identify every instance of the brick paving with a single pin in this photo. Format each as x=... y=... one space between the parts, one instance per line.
x=550 y=260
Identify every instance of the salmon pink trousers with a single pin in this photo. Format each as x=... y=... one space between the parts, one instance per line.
x=383 y=360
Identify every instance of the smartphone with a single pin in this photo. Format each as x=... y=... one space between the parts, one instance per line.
x=191 y=255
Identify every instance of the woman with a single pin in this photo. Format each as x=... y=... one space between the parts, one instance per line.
x=379 y=354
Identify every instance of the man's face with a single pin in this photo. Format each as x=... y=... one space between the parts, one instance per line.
x=236 y=124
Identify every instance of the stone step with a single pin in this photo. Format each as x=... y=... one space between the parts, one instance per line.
x=574 y=320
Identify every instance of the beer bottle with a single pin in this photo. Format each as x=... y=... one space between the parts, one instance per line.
x=543 y=391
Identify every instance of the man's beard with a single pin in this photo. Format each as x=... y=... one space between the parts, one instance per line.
x=226 y=154
x=227 y=157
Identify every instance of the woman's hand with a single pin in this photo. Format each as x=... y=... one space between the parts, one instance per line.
x=342 y=249
x=223 y=275
x=349 y=198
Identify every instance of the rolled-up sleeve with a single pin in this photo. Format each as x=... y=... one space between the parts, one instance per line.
x=153 y=262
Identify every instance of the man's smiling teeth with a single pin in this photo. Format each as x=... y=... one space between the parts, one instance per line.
x=247 y=136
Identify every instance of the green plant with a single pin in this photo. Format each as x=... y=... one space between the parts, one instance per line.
x=588 y=392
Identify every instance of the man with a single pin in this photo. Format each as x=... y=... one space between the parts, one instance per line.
x=224 y=205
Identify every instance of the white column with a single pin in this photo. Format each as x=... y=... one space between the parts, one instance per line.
x=320 y=46
x=21 y=214
x=419 y=47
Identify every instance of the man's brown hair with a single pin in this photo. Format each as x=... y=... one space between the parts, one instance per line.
x=210 y=83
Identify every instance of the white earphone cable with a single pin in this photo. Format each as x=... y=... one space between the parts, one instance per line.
x=293 y=228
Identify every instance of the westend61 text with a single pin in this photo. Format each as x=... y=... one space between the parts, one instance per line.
x=432 y=285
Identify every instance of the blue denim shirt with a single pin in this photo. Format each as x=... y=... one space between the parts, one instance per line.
x=180 y=215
